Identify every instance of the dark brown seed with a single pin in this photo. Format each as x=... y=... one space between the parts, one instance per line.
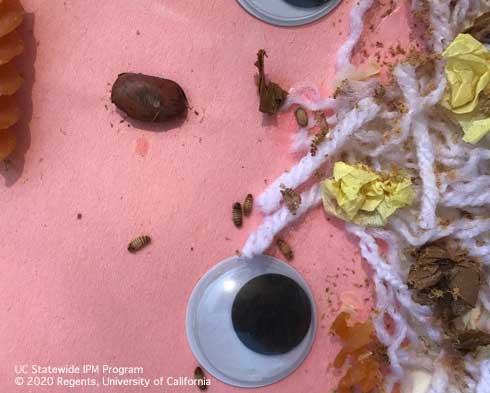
x=301 y=117
x=149 y=98
x=248 y=205
x=237 y=214
x=138 y=243
x=200 y=378
x=285 y=249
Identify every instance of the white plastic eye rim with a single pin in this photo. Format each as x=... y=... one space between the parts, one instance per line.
x=291 y=15
x=263 y=372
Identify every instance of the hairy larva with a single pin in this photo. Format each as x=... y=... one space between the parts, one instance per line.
x=316 y=141
x=199 y=376
x=322 y=134
x=237 y=214
x=138 y=243
x=292 y=199
x=248 y=205
x=285 y=249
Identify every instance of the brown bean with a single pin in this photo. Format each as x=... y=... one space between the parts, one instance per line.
x=149 y=98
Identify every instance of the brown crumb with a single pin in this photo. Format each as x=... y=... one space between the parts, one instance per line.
x=398 y=106
x=379 y=92
x=341 y=89
x=468 y=341
x=481 y=28
x=484 y=103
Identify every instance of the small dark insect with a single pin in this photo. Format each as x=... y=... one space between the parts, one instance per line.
x=200 y=378
x=248 y=205
x=301 y=117
x=237 y=214
x=285 y=249
x=138 y=243
x=149 y=98
x=292 y=199
x=79 y=216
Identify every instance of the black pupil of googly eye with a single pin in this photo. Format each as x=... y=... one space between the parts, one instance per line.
x=306 y=3
x=271 y=314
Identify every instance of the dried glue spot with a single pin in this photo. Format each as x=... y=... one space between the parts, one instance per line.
x=142 y=146
x=271 y=314
x=351 y=302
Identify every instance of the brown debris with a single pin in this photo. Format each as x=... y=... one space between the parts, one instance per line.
x=379 y=92
x=484 y=103
x=481 y=28
x=468 y=341
x=398 y=106
x=341 y=89
x=292 y=199
x=271 y=94
x=446 y=279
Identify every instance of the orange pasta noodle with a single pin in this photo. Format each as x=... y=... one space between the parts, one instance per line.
x=11 y=45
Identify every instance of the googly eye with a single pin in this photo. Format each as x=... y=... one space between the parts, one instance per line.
x=251 y=322
x=289 y=12
x=307 y=3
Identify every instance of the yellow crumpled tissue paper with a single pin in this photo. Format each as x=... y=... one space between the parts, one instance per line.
x=468 y=75
x=363 y=196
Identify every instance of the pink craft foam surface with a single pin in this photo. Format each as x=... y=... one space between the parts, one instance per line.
x=70 y=291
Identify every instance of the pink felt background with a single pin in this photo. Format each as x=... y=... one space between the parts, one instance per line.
x=70 y=291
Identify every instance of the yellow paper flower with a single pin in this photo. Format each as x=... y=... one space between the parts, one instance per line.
x=364 y=196
x=468 y=74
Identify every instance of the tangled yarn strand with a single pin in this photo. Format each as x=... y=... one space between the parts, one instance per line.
x=271 y=197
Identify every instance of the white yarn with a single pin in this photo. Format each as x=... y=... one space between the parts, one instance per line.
x=259 y=241
x=356 y=118
x=484 y=383
x=300 y=141
x=369 y=131
x=356 y=28
x=440 y=379
x=405 y=75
